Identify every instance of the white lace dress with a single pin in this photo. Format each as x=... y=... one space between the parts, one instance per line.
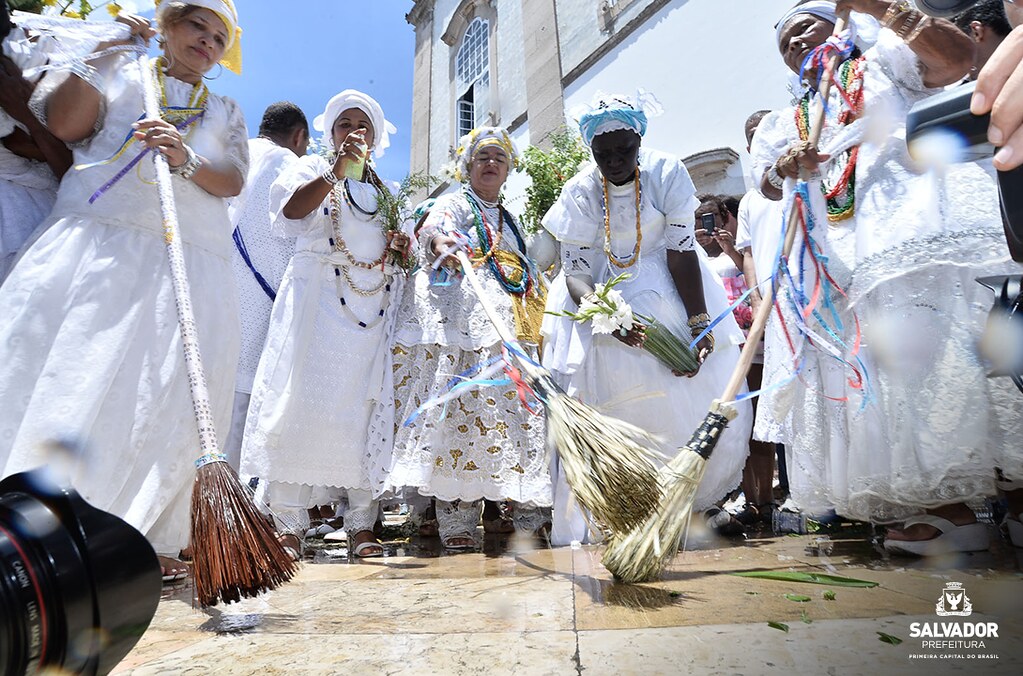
x=322 y=393
x=90 y=349
x=28 y=187
x=626 y=382
x=934 y=426
x=488 y=445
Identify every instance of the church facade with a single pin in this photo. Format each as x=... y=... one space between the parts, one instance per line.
x=526 y=64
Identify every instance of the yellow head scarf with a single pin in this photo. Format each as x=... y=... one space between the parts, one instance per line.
x=232 y=59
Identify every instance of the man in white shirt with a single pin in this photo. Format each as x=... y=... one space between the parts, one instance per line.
x=260 y=258
x=757 y=239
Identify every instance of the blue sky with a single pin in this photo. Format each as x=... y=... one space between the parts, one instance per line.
x=307 y=51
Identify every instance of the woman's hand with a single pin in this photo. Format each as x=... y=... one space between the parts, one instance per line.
x=726 y=240
x=634 y=337
x=399 y=242
x=163 y=136
x=1000 y=91
x=875 y=8
x=445 y=244
x=353 y=150
x=801 y=155
x=138 y=26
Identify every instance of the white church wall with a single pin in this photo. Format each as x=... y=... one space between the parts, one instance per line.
x=710 y=63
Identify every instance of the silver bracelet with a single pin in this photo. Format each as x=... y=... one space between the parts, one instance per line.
x=191 y=165
x=776 y=180
x=330 y=177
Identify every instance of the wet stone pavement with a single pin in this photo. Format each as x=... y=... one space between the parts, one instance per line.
x=517 y=607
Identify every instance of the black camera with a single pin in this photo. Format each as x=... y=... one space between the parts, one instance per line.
x=944 y=8
x=78 y=586
x=708 y=224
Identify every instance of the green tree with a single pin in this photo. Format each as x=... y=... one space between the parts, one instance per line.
x=548 y=171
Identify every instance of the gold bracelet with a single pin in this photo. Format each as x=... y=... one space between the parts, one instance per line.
x=702 y=318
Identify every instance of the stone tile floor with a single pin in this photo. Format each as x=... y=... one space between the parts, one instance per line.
x=516 y=608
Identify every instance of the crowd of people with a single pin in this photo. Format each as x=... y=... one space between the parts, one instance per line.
x=350 y=363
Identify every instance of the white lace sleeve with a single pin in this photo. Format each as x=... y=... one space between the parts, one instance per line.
x=294 y=176
x=236 y=144
x=578 y=260
x=94 y=73
x=899 y=62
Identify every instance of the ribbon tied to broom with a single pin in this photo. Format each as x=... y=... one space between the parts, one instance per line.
x=639 y=554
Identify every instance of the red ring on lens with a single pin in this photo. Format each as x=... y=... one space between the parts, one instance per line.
x=38 y=591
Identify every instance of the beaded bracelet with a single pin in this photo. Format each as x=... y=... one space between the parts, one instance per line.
x=330 y=177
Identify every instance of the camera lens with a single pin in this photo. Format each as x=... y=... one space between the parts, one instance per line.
x=78 y=587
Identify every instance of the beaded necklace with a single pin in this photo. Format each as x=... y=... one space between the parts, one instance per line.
x=489 y=242
x=841 y=196
x=339 y=195
x=197 y=99
x=611 y=256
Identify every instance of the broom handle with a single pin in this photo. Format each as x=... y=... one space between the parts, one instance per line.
x=756 y=331
x=179 y=281
x=502 y=329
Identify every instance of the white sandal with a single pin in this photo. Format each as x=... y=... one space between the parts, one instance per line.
x=971 y=537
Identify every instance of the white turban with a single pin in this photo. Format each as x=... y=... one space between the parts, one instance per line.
x=862 y=28
x=351 y=98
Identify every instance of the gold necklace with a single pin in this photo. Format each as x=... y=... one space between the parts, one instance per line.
x=339 y=241
x=611 y=257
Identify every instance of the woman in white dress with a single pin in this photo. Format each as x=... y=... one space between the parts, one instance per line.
x=906 y=246
x=485 y=444
x=322 y=398
x=90 y=348
x=632 y=211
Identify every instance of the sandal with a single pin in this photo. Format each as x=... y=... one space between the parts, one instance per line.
x=1015 y=528
x=499 y=526
x=460 y=542
x=723 y=523
x=293 y=545
x=171 y=569
x=366 y=549
x=971 y=537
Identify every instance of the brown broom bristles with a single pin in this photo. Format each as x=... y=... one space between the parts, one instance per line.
x=236 y=553
x=610 y=471
x=639 y=555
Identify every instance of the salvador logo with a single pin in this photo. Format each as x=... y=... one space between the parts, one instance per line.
x=953 y=601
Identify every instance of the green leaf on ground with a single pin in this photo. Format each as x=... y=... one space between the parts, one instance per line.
x=812 y=578
x=798 y=598
x=804 y=617
x=888 y=638
x=753 y=593
x=829 y=595
x=675 y=594
x=779 y=625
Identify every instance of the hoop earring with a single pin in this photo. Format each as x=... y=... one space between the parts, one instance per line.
x=218 y=74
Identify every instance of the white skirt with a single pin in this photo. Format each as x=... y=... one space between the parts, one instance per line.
x=90 y=352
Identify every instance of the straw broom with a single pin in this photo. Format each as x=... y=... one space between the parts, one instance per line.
x=640 y=555
x=235 y=552
x=608 y=468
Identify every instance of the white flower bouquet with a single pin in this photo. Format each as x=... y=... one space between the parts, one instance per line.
x=608 y=312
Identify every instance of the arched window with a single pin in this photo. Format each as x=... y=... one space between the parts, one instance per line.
x=472 y=77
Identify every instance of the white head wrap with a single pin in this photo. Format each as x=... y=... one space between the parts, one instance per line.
x=862 y=28
x=476 y=140
x=351 y=98
x=607 y=113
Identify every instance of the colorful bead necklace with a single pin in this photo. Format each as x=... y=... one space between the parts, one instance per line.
x=611 y=256
x=840 y=197
x=489 y=242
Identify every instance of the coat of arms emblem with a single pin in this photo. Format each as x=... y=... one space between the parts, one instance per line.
x=953 y=601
